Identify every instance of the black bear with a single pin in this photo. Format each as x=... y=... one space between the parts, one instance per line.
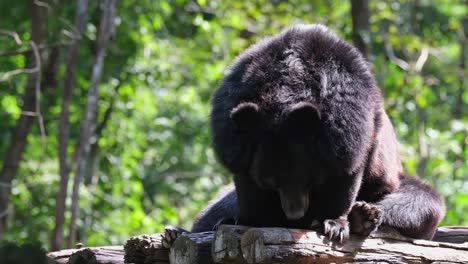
x=299 y=121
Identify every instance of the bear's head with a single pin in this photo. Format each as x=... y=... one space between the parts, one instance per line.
x=285 y=157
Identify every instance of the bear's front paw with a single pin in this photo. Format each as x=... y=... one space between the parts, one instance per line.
x=170 y=234
x=336 y=229
x=364 y=218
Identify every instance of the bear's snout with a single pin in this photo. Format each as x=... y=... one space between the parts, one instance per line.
x=294 y=205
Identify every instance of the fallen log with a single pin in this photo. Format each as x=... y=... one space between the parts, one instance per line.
x=92 y=255
x=61 y=256
x=226 y=247
x=281 y=245
x=241 y=244
x=146 y=249
x=452 y=234
x=192 y=248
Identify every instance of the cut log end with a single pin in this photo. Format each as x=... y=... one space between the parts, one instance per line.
x=226 y=246
x=146 y=249
x=192 y=248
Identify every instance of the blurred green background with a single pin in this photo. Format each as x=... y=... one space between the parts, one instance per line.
x=151 y=163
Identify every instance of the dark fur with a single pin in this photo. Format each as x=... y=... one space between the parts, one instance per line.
x=221 y=210
x=300 y=123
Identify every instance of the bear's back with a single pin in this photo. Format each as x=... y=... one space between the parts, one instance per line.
x=306 y=63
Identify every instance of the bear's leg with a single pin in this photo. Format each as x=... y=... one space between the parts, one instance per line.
x=221 y=210
x=415 y=209
x=338 y=198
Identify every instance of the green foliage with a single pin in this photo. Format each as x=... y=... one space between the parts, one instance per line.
x=153 y=164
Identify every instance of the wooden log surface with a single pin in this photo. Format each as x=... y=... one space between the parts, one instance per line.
x=281 y=245
x=226 y=247
x=240 y=244
x=93 y=255
x=452 y=234
x=192 y=248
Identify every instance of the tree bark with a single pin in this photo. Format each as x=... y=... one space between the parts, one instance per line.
x=146 y=249
x=452 y=234
x=64 y=125
x=459 y=110
x=281 y=245
x=360 y=19
x=463 y=42
x=105 y=30
x=94 y=255
x=91 y=177
x=23 y=125
x=192 y=248
x=242 y=244
x=227 y=246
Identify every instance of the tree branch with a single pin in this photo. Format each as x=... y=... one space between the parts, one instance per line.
x=38 y=113
x=391 y=55
x=36 y=68
x=39 y=47
x=12 y=34
x=422 y=59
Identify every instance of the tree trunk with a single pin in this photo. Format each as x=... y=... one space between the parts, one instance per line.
x=463 y=42
x=105 y=30
x=91 y=177
x=423 y=147
x=23 y=125
x=360 y=18
x=459 y=110
x=64 y=125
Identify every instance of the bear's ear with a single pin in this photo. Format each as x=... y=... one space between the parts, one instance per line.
x=246 y=116
x=303 y=117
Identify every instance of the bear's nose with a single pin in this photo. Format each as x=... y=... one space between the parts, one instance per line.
x=294 y=214
x=294 y=205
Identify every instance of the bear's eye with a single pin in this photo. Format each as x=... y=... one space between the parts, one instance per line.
x=265 y=183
